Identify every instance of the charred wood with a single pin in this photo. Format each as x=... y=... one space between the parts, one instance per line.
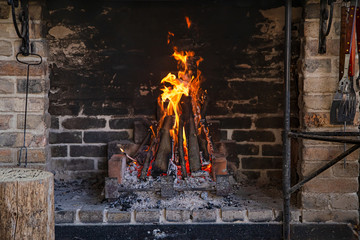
x=161 y=162
x=149 y=155
x=181 y=148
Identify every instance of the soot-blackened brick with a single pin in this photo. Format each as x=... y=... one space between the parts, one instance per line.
x=88 y=151
x=242 y=149
x=105 y=137
x=65 y=137
x=251 y=175
x=272 y=150
x=58 y=151
x=83 y=123
x=72 y=164
x=54 y=122
x=34 y=86
x=231 y=123
x=253 y=136
x=214 y=130
x=275 y=122
x=261 y=163
x=127 y=123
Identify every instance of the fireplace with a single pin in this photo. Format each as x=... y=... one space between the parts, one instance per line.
x=94 y=98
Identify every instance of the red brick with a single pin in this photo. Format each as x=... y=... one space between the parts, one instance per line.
x=335 y=185
x=117 y=166
x=6 y=156
x=12 y=68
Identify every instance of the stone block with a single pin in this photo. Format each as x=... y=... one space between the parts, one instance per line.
x=177 y=215
x=309 y=167
x=32 y=121
x=105 y=137
x=312 y=11
x=249 y=175
x=117 y=216
x=6 y=155
x=272 y=150
x=58 y=151
x=343 y=216
x=312 y=46
x=91 y=214
x=65 y=137
x=317 y=102
x=253 y=136
x=83 y=123
x=35 y=12
x=295 y=216
x=261 y=215
x=64 y=216
x=351 y=169
x=117 y=167
x=269 y=122
x=8 y=139
x=12 y=68
x=317 y=67
x=233 y=214
x=33 y=155
x=320 y=84
x=5 y=122
x=6 y=86
x=332 y=185
x=261 y=163
x=122 y=123
x=5 y=48
x=317 y=119
x=324 y=153
x=72 y=164
x=147 y=216
x=35 y=86
x=204 y=215
x=348 y=201
x=314 y=200
x=87 y=151
x=4 y=11
x=36 y=30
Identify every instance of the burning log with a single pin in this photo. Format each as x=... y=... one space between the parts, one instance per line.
x=193 y=145
x=161 y=162
x=181 y=148
x=147 y=160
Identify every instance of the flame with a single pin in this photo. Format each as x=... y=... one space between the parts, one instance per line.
x=188 y=22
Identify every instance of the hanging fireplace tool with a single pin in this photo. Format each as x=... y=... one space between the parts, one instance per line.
x=24 y=56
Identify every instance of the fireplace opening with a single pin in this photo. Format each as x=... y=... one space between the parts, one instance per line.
x=114 y=133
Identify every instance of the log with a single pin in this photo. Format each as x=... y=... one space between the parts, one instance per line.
x=26 y=204
x=146 y=165
x=193 y=145
x=161 y=161
x=181 y=148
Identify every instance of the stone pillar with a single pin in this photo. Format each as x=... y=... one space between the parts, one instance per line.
x=12 y=91
x=332 y=196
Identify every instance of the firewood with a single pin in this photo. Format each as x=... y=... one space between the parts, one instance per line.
x=161 y=162
x=181 y=148
x=146 y=165
x=26 y=204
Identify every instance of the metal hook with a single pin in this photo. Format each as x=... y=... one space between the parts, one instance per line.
x=325 y=23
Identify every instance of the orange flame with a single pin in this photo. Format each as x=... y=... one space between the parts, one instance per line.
x=188 y=21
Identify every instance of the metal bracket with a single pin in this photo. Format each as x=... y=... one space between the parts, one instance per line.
x=24 y=20
x=325 y=23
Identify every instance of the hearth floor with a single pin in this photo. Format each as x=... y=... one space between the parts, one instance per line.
x=83 y=202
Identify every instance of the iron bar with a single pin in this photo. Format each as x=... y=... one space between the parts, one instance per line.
x=323 y=168
x=286 y=138
x=336 y=134
x=324 y=138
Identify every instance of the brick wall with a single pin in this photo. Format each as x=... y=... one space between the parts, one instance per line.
x=12 y=91
x=107 y=60
x=332 y=196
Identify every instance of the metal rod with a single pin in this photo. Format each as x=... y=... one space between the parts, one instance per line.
x=286 y=147
x=337 y=134
x=323 y=168
x=324 y=138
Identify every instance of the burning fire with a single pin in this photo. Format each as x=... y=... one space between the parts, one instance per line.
x=181 y=145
